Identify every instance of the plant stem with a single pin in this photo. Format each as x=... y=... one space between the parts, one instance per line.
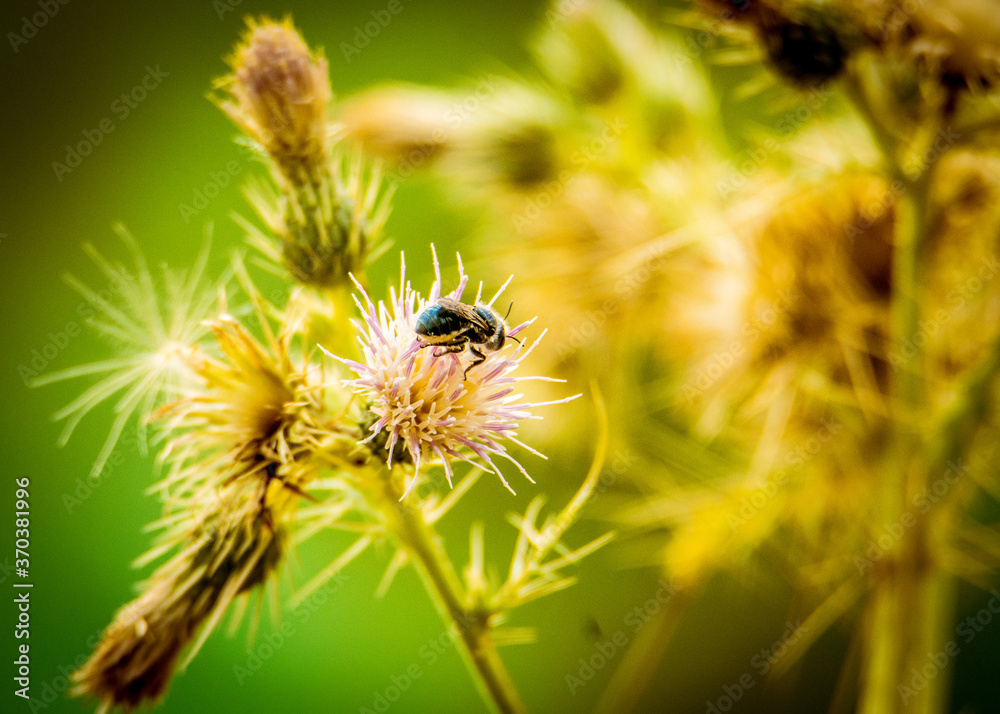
x=424 y=547
x=909 y=608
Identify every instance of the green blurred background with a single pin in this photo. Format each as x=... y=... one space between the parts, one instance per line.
x=63 y=81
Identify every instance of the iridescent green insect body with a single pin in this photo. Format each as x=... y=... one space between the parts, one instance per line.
x=455 y=325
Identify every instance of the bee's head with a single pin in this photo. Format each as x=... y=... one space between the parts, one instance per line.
x=498 y=328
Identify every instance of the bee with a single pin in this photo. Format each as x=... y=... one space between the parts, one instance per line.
x=454 y=326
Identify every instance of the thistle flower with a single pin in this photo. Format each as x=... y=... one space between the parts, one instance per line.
x=255 y=413
x=279 y=94
x=155 y=330
x=248 y=431
x=817 y=292
x=425 y=401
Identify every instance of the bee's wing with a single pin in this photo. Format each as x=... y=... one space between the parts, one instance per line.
x=464 y=311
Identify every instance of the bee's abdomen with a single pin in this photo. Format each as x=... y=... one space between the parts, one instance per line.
x=436 y=321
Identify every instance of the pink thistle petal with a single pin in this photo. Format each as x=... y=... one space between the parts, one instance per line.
x=500 y=291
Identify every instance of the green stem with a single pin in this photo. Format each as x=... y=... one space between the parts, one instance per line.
x=424 y=547
x=908 y=613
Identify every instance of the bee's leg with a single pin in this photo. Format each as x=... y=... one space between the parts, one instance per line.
x=477 y=358
x=451 y=347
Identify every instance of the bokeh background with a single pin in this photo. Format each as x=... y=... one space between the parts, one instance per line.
x=63 y=81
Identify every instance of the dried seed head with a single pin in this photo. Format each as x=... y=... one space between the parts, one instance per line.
x=229 y=551
x=807 y=51
x=248 y=427
x=253 y=416
x=818 y=290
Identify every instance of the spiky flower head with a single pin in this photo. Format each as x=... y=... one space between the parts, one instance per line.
x=155 y=327
x=279 y=95
x=818 y=288
x=247 y=434
x=253 y=414
x=426 y=402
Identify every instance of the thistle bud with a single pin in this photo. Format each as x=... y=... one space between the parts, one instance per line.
x=279 y=92
x=327 y=214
